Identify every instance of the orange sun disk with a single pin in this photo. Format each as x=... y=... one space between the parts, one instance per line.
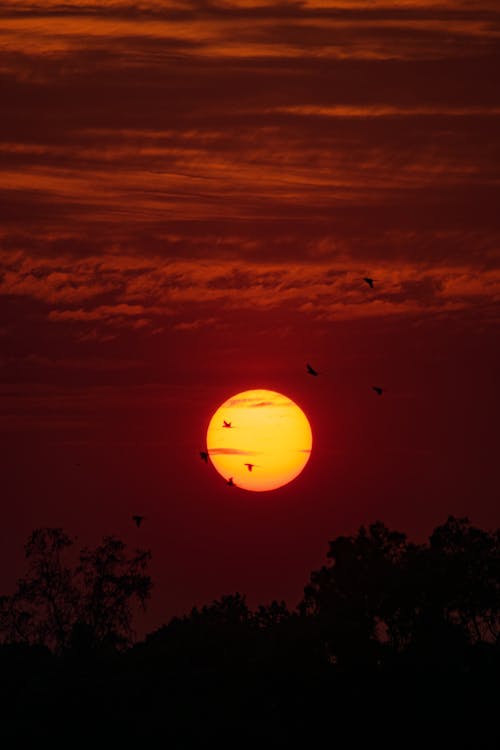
x=267 y=444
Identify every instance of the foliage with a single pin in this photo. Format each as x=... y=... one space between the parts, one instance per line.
x=380 y=590
x=80 y=606
x=377 y=597
x=386 y=628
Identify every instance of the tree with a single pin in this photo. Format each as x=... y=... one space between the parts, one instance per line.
x=450 y=595
x=466 y=580
x=61 y=605
x=429 y=600
x=110 y=581
x=353 y=597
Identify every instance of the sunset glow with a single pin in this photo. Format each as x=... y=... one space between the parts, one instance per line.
x=201 y=198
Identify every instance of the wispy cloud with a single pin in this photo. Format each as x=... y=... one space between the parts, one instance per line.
x=170 y=166
x=382 y=110
x=103 y=312
x=168 y=291
x=195 y=325
x=232 y=452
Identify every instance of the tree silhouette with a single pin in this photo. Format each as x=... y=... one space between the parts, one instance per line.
x=353 y=598
x=468 y=583
x=380 y=590
x=85 y=604
x=454 y=586
x=385 y=628
x=110 y=581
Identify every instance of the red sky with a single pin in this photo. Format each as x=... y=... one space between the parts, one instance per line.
x=190 y=196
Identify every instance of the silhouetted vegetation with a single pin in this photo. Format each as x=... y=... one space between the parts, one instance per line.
x=388 y=632
x=75 y=607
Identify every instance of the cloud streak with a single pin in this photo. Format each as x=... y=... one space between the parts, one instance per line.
x=231 y=452
x=167 y=167
x=162 y=290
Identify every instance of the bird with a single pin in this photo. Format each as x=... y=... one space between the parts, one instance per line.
x=311 y=370
x=379 y=391
x=226 y=424
x=250 y=466
x=204 y=456
x=138 y=520
x=230 y=482
x=369 y=281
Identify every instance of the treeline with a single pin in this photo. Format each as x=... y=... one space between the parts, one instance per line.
x=387 y=631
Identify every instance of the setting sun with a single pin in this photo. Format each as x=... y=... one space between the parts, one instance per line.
x=260 y=439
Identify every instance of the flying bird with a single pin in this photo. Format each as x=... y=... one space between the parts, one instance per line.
x=137 y=520
x=226 y=424
x=378 y=391
x=230 y=482
x=369 y=282
x=311 y=370
x=250 y=466
x=204 y=456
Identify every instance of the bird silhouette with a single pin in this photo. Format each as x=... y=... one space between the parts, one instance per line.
x=230 y=482
x=137 y=520
x=311 y=370
x=204 y=456
x=378 y=391
x=249 y=466
x=369 y=282
x=226 y=424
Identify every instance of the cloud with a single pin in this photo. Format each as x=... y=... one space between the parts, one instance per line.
x=195 y=325
x=384 y=110
x=252 y=402
x=95 y=336
x=96 y=364
x=166 y=166
x=103 y=312
x=188 y=295
x=232 y=452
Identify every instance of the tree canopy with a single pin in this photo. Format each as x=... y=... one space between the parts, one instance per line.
x=83 y=604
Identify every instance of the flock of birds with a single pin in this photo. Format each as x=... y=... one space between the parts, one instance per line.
x=204 y=454
x=311 y=371
x=227 y=425
x=378 y=390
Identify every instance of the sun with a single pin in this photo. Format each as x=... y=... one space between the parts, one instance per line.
x=259 y=439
